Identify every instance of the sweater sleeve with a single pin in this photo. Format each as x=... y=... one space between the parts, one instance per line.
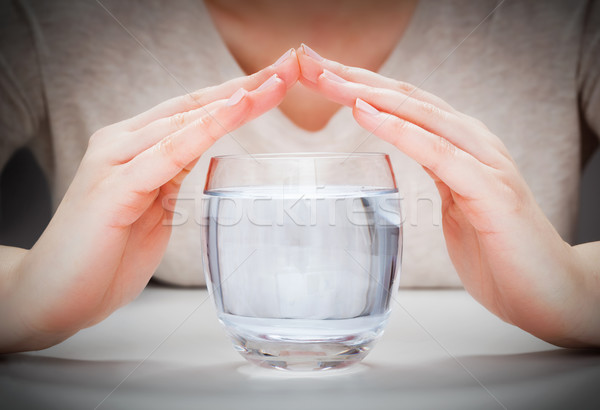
x=21 y=86
x=589 y=68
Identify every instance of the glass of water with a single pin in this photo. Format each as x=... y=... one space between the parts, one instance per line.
x=301 y=254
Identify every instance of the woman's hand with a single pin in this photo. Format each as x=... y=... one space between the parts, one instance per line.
x=110 y=231
x=506 y=252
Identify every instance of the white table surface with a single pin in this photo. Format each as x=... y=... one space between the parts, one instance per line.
x=167 y=350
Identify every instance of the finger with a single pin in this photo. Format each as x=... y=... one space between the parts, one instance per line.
x=163 y=161
x=459 y=170
x=127 y=148
x=465 y=134
x=286 y=67
x=312 y=65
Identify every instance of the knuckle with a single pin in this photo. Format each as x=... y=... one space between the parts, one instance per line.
x=344 y=71
x=165 y=146
x=204 y=126
x=444 y=148
x=108 y=134
x=430 y=110
x=405 y=87
x=203 y=123
x=102 y=146
x=373 y=94
x=96 y=138
x=477 y=122
x=442 y=155
x=167 y=149
x=513 y=197
x=399 y=128
x=197 y=97
x=99 y=145
x=480 y=124
x=178 y=120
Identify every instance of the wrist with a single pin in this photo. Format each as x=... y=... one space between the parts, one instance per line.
x=15 y=333
x=585 y=273
x=573 y=302
x=551 y=302
x=18 y=306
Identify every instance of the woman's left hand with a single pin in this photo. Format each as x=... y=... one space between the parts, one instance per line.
x=506 y=252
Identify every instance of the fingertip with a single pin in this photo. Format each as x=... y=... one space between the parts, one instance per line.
x=237 y=97
x=310 y=69
x=289 y=71
x=268 y=83
x=309 y=52
x=280 y=87
x=365 y=108
x=323 y=82
x=236 y=108
x=284 y=57
x=365 y=114
x=337 y=89
x=270 y=93
x=295 y=68
x=328 y=75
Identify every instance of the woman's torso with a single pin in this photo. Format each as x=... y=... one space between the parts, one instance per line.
x=517 y=72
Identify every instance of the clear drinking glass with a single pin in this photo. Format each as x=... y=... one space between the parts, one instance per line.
x=301 y=253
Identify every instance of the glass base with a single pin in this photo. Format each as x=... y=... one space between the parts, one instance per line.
x=304 y=344
x=301 y=356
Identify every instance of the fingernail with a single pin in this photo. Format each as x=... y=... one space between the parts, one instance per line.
x=333 y=77
x=365 y=107
x=236 y=97
x=284 y=57
x=270 y=81
x=311 y=53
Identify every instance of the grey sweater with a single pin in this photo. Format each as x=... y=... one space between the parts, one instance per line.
x=531 y=72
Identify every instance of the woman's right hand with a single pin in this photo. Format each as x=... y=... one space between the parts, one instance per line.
x=110 y=231
x=505 y=250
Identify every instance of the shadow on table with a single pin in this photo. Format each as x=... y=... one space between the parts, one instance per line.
x=550 y=379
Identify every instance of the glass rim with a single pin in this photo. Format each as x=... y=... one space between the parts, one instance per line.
x=301 y=155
